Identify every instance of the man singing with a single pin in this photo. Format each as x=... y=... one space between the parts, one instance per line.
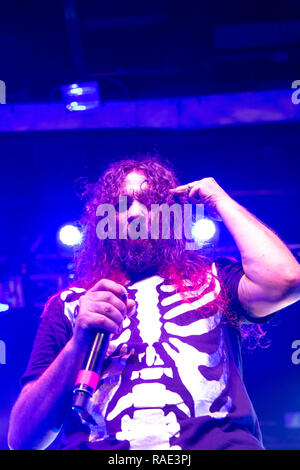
x=171 y=377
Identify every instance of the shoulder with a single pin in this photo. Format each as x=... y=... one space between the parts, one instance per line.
x=225 y=261
x=62 y=304
x=71 y=293
x=69 y=300
x=228 y=268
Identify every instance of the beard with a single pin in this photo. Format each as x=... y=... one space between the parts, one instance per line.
x=138 y=256
x=141 y=257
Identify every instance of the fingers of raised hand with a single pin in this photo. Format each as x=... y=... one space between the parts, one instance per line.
x=204 y=187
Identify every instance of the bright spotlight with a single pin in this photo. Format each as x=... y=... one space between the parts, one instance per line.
x=81 y=96
x=70 y=235
x=4 y=308
x=203 y=230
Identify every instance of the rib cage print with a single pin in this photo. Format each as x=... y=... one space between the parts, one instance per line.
x=168 y=364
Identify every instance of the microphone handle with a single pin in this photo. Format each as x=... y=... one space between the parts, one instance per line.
x=88 y=376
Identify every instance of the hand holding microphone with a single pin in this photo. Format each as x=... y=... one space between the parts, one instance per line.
x=102 y=310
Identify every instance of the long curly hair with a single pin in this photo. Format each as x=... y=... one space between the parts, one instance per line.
x=97 y=258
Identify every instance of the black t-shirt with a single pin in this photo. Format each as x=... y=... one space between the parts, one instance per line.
x=171 y=379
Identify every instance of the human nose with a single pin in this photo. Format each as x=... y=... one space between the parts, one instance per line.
x=135 y=210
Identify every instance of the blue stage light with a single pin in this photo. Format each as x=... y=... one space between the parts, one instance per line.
x=203 y=230
x=81 y=96
x=4 y=308
x=70 y=235
x=292 y=420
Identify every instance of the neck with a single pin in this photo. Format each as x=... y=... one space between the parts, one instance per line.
x=136 y=276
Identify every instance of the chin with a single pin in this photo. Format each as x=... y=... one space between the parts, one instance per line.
x=139 y=255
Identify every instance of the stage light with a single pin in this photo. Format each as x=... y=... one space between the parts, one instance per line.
x=203 y=230
x=4 y=308
x=70 y=235
x=81 y=96
x=292 y=420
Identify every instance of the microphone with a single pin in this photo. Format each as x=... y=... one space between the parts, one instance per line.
x=88 y=377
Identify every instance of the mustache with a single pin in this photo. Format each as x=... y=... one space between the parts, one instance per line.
x=137 y=255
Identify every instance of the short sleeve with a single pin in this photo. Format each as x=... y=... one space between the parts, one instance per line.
x=53 y=333
x=230 y=271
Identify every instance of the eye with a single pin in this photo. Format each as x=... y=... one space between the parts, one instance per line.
x=130 y=200
x=149 y=197
x=124 y=206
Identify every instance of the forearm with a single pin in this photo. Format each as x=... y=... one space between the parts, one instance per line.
x=41 y=408
x=42 y=405
x=266 y=259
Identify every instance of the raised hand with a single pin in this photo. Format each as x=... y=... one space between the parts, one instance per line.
x=205 y=191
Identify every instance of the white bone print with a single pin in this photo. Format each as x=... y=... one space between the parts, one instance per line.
x=160 y=351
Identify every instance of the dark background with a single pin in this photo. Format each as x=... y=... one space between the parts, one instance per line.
x=156 y=48
x=146 y=50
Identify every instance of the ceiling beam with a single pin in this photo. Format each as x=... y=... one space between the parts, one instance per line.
x=195 y=112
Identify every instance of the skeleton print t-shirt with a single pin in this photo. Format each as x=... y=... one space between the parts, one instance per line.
x=170 y=380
